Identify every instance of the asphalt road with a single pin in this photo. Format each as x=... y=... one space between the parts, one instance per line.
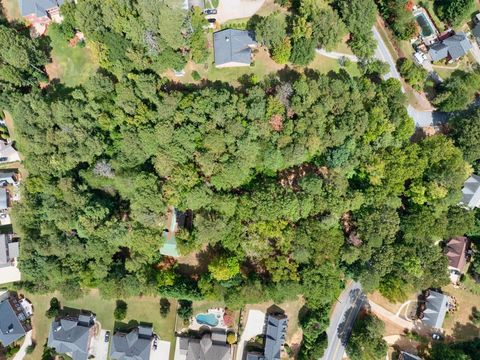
x=344 y=314
x=421 y=118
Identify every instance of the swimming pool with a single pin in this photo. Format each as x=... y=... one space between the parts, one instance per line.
x=424 y=25
x=208 y=319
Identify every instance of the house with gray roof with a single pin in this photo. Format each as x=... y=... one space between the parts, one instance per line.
x=233 y=47
x=38 y=10
x=13 y=319
x=9 y=250
x=436 y=307
x=275 y=333
x=8 y=177
x=451 y=48
x=72 y=335
x=476 y=32
x=133 y=345
x=211 y=346
x=471 y=193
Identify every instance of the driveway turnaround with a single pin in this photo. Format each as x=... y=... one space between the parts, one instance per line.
x=254 y=326
x=344 y=315
x=237 y=9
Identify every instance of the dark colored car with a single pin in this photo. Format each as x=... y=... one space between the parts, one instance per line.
x=212 y=20
x=107 y=336
x=210 y=11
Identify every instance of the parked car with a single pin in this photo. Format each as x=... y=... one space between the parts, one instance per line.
x=212 y=20
x=210 y=11
x=436 y=336
x=107 y=336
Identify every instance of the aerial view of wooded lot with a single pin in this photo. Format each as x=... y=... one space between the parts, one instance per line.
x=287 y=182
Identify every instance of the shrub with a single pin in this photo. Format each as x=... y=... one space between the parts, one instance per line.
x=281 y=53
x=120 y=312
x=185 y=311
x=164 y=307
x=231 y=338
x=195 y=75
x=54 y=308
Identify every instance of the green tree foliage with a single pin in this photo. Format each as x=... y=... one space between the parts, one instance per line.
x=164 y=307
x=399 y=17
x=366 y=341
x=281 y=53
x=271 y=30
x=54 y=308
x=224 y=268
x=303 y=51
x=465 y=132
x=454 y=12
x=459 y=91
x=185 y=310
x=414 y=74
x=359 y=16
x=120 y=312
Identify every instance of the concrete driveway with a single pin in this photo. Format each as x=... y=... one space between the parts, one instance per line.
x=162 y=352
x=9 y=274
x=99 y=347
x=236 y=9
x=254 y=326
x=23 y=349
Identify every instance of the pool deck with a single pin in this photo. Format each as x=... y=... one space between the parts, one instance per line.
x=419 y=11
x=218 y=312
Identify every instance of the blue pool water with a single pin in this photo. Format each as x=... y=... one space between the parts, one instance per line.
x=208 y=319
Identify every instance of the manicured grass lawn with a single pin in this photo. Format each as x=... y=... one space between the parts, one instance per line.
x=141 y=309
x=325 y=64
x=72 y=65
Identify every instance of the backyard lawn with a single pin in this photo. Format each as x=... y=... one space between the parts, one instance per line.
x=459 y=324
x=71 y=64
x=141 y=309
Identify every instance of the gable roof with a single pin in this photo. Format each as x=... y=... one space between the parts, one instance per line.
x=3 y=199
x=471 y=192
x=134 y=345
x=8 y=176
x=456 y=252
x=206 y=349
x=69 y=335
x=476 y=30
x=436 y=309
x=438 y=51
x=231 y=45
x=458 y=45
x=11 y=328
x=275 y=336
x=38 y=7
x=8 y=250
x=7 y=151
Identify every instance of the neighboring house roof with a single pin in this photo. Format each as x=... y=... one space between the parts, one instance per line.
x=11 y=329
x=134 y=345
x=476 y=31
x=233 y=46
x=458 y=45
x=8 y=153
x=471 y=192
x=38 y=7
x=407 y=356
x=204 y=348
x=72 y=336
x=275 y=336
x=436 y=309
x=8 y=249
x=438 y=51
x=3 y=199
x=7 y=176
x=456 y=252
x=255 y=356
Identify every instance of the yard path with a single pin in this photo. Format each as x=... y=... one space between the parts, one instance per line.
x=337 y=55
x=23 y=349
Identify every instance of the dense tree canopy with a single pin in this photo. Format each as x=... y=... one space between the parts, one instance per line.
x=294 y=185
x=454 y=12
x=366 y=342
